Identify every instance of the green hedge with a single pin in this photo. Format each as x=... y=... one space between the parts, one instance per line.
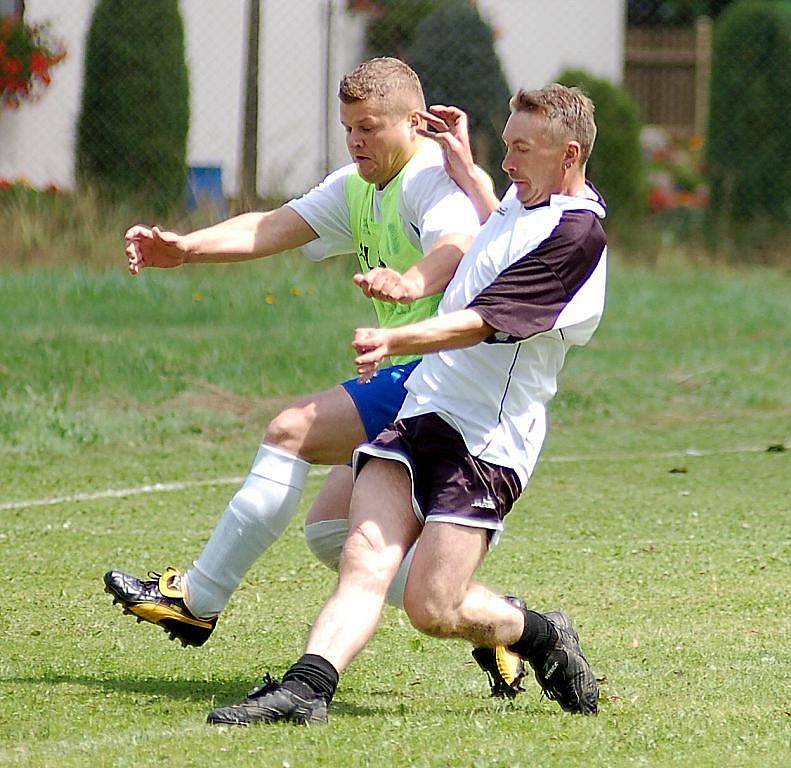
x=132 y=132
x=392 y=28
x=453 y=52
x=748 y=123
x=617 y=166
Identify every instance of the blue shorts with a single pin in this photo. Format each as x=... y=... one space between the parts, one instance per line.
x=379 y=400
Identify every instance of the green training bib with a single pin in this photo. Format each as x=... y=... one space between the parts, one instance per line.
x=384 y=244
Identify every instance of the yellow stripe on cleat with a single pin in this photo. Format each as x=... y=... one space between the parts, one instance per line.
x=156 y=613
x=508 y=664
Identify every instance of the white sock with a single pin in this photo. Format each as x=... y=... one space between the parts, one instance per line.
x=325 y=540
x=255 y=517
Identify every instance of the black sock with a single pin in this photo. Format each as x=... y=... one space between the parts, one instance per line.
x=537 y=639
x=313 y=673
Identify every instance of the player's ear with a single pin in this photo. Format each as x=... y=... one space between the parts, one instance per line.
x=573 y=151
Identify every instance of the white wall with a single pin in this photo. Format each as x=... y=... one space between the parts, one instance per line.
x=216 y=51
x=536 y=39
x=298 y=98
x=292 y=98
x=37 y=140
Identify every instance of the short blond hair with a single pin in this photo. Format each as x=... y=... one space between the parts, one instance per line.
x=568 y=111
x=389 y=80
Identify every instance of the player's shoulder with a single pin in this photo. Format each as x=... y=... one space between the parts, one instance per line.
x=339 y=175
x=576 y=236
x=580 y=225
x=425 y=169
x=330 y=191
x=578 y=217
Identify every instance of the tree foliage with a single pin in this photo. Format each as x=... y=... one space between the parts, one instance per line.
x=672 y=12
x=454 y=54
x=617 y=166
x=132 y=131
x=394 y=22
x=748 y=122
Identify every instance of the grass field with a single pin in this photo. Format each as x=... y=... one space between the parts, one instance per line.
x=659 y=518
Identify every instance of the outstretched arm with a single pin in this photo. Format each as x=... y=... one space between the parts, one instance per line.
x=448 y=127
x=463 y=328
x=248 y=236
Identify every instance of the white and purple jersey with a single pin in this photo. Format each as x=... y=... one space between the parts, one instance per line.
x=537 y=276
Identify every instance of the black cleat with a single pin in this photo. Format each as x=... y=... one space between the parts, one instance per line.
x=504 y=668
x=565 y=675
x=159 y=600
x=270 y=702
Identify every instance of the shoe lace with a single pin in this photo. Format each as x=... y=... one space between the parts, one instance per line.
x=174 y=581
x=268 y=685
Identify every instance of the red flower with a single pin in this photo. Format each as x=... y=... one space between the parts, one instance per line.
x=12 y=66
x=27 y=55
x=39 y=63
x=660 y=199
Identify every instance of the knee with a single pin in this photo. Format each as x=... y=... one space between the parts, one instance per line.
x=430 y=614
x=365 y=559
x=289 y=429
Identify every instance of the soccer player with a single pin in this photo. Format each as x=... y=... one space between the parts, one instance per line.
x=471 y=427
x=409 y=224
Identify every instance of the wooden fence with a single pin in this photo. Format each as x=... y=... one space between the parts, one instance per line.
x=667 y=71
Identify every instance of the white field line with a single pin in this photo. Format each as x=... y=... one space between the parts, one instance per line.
x=118 y=493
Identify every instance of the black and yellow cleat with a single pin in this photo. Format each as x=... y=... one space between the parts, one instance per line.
x=565 y=675
x=504 y=668
x=159 y=600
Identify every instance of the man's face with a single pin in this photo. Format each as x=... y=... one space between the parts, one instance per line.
x=378 y=142
x=534 y=157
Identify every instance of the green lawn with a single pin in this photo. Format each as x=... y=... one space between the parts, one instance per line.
x=674 y=564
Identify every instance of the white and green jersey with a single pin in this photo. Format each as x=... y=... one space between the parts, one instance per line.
x=392 y=227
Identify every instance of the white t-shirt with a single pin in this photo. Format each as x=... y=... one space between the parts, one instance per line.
x=537 y=276
x=431 y=206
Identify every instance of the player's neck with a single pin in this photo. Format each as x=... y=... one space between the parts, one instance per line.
x=575 y=185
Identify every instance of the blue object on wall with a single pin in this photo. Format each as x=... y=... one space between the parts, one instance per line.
x=204 y=185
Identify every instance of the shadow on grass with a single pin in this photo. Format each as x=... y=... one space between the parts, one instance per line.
x=215 y=694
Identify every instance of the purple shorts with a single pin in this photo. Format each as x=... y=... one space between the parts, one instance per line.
x=448 y=484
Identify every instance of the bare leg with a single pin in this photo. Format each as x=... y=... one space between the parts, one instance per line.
x=324 y=428
x=442 y=600
x=383 y=527
x=334 y=498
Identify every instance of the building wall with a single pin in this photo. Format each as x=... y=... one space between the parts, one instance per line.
x=537 y=40
x=37 y=140
x=300 y=137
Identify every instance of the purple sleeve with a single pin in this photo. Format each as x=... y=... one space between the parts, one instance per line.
x=527 y=297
